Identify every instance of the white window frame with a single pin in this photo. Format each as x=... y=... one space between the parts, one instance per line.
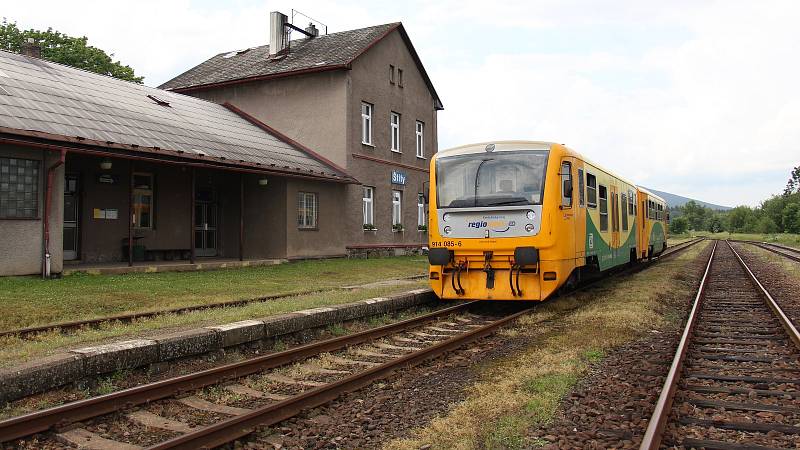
x=368 y=205
x=367 y=110
x=397 y=208
x=394 y=129
x=419 y=129
x=421 y=222
x=306 y=201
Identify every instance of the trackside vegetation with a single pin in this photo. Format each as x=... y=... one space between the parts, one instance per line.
x=778 y=214
x=569 y=334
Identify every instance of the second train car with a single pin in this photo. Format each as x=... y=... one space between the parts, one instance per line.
x=517 y=220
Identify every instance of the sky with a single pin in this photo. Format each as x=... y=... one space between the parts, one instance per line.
x=697 y=98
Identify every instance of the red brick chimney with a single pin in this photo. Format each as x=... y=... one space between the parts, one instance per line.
x=31 y=48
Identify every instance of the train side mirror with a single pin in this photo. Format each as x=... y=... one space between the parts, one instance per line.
x=426 y=187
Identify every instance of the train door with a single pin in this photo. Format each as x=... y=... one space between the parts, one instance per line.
x=568 y=208
x=614 y=194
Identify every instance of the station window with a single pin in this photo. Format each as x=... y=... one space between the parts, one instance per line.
x=143 y=200
x=581 y=195
x=19 y=188
x=397 y=208
x=624 y=212
x=603 y=208
x=366 y=123
x=368 y=207
x=391 y=74
x=591 y=190
x=394 y=124
x=400 y=77
x=307 y=210
x=420 y=139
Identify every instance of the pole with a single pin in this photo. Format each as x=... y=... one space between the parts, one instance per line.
x=241 y=217
x=191 y=228
x=131 y=217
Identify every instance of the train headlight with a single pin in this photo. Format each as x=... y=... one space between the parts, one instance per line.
x=530 y=215
x=446 y=217
x=529 y=227
x=447 y=230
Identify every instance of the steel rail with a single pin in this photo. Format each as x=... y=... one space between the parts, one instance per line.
x=655 y=427
x=777 y=249
x=28 y=332
x=239 y=426
x=28 y=424
x=786 y=323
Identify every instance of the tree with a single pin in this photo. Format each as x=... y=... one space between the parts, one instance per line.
x=696 y=215
x=678 y=225
x=71 y=51
x=791 y=218
x=738 y=218
x=794 y=182
x=766 y=225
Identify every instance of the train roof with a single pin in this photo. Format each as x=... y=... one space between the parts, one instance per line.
x=650 y=194
x=529 y=145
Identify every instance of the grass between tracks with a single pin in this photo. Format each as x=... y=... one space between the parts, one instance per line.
x=788 y=239
x=31 y=301
x=14 y=350
x=524 y=391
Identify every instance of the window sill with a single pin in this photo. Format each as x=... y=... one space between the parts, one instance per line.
x=396 y=151
x=398 y=231
x=307 y=229
x=365 y=144
x=421 y=157
x=21 y=218
x=370 y=231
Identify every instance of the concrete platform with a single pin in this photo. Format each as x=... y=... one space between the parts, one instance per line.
x=116 y=268
x=47 y=373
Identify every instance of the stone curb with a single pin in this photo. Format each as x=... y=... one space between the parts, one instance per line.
x=48 y=373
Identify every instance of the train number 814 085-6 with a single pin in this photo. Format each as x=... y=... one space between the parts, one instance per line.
x=446 y=243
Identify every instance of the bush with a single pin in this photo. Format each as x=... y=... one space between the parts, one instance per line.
x=678 y=225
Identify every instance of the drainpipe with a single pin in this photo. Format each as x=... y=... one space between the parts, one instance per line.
x=48 y=201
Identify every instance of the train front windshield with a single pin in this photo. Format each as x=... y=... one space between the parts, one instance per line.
x=504 y=178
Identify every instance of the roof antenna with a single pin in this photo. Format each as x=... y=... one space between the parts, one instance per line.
x=298 y=13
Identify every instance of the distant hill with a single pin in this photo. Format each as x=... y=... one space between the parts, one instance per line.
x=678 y=200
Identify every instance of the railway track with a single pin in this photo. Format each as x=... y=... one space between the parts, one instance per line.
x=787 y=252
x=72 y=326
x=217 y=406
x=733 y=383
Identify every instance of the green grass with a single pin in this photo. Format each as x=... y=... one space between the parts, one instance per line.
x=14 y=350
x=31 y=301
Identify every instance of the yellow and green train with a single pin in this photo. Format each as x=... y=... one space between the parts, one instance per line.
x=517 y=220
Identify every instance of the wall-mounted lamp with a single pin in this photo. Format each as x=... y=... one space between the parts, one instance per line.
x=106 y=164
x=263 y=181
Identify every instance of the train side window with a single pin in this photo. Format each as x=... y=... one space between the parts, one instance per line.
x=591 y=190
x=603 y=208
x=581 y=195
x=631 y=203
x=566 y=184
x=614 y=212
x=624 y=212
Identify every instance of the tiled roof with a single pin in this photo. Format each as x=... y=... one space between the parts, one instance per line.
x=325 y=52
x=52 y=101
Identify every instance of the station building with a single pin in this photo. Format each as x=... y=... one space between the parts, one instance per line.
x=325 y=155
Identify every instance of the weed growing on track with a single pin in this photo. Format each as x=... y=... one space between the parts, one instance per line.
x=568 y=335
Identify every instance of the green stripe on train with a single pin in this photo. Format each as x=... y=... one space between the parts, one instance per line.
x=606 y=256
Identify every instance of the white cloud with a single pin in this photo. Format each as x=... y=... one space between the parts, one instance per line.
x=699 y=98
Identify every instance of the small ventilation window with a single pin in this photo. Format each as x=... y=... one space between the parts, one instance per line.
x=158 y=100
